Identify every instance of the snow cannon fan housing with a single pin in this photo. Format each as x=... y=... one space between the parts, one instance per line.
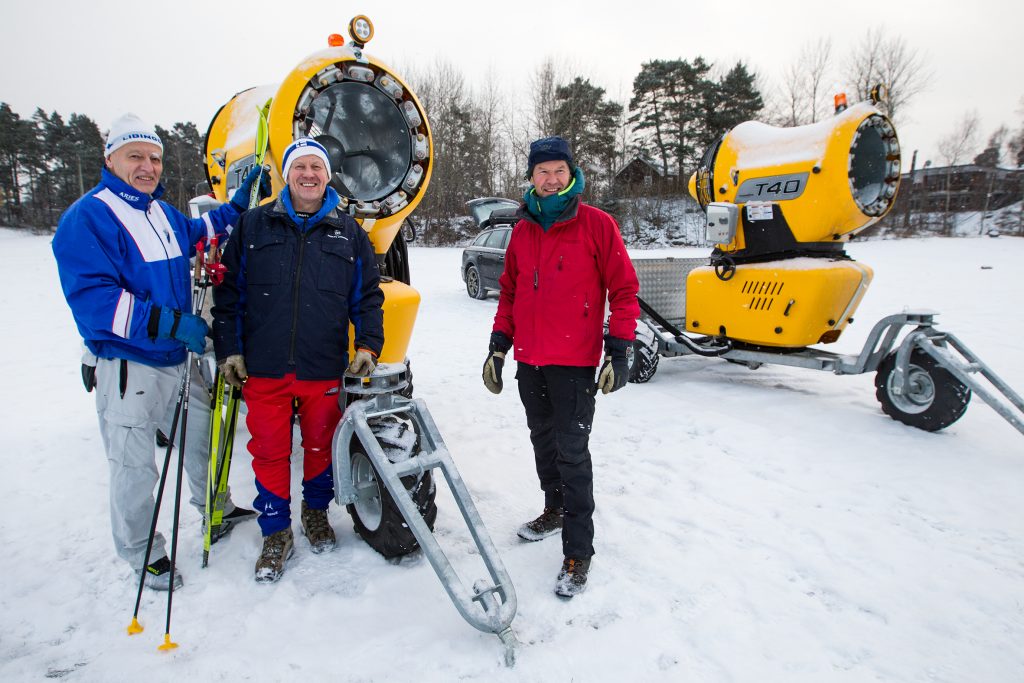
x=377 y=137
x=374 y=129
x=781 y=204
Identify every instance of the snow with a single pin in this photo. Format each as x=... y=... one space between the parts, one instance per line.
x=759 y=145
x=768 y=525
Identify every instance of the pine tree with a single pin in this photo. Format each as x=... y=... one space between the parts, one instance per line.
x=736 y=100
x=184 y=175
x=587 y=121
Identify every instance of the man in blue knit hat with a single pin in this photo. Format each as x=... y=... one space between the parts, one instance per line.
x=123 y=259
x=298 y=270
x=564 y=261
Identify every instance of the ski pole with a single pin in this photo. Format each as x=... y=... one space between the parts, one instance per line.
x=167 y=644
x=135 y=627
x=198 y=296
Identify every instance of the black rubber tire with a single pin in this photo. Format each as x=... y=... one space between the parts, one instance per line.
x=474 y=287
x=937 y=398
x=391 y=536
x=645 y=363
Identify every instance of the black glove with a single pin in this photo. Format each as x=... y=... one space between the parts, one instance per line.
x=89 y=376
x=240 y=199
x=500 y=344
x=614 y=372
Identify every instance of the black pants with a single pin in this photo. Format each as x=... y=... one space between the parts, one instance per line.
x=559 y=403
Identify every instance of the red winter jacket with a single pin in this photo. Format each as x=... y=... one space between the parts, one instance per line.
x=554 y=287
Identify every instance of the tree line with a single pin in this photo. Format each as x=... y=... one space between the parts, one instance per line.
x=676 y=109
x=46 y=163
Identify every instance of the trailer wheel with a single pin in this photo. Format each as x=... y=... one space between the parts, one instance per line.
x=935 y=400
x=474 y=286
x=376 y=518
x=645 y=363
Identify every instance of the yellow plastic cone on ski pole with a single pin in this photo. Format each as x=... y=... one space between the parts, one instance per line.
x=168 y=645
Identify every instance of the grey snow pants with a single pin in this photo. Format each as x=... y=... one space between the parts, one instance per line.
x=128 y=426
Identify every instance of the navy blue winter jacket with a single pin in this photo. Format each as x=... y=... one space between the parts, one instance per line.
x=292 y=287
x=121 y=252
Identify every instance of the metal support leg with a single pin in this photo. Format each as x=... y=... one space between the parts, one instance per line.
x=491 y=605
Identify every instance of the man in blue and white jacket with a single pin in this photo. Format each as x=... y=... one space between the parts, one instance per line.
x=123 y=259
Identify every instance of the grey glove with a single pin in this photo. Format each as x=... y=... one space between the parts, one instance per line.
x=499 y=346
x=233 y=369
x=362 y=364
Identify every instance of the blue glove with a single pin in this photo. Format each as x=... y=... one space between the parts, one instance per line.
x=240 y=199
x=172 y=324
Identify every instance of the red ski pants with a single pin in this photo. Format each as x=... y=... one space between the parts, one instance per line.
x=270 y=403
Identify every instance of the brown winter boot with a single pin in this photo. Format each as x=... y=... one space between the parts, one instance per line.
x=317 y=529
x=277 y=548
x=549 y=522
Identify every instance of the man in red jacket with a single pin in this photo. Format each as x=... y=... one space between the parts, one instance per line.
x=564 y=261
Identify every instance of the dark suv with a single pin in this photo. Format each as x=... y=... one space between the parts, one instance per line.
x=484 y=260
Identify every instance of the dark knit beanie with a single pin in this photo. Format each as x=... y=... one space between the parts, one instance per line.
x=553 y=148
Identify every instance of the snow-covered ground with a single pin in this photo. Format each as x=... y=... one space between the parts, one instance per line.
x=768 y=525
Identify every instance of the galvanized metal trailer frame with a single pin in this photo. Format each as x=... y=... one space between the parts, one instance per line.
x=491 y=605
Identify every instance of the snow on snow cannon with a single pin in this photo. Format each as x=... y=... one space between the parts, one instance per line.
x=378 y=139
x=781 y=203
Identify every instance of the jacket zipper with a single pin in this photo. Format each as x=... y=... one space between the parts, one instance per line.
x=295 y=296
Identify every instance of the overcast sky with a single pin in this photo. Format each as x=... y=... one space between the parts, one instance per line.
x=180 y=61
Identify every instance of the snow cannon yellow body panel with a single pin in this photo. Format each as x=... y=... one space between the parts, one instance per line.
x=401 y=304
x=829 y=180
x=373 y=126
x=789 y=303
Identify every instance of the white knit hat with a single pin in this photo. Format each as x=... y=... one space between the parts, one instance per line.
x=300 y=148
x=130 y=128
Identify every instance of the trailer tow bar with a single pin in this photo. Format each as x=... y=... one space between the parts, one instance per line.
x=491 y=605
x=953 y=355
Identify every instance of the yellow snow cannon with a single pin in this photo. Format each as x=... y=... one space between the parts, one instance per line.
x=781 y=203
x=378 y=139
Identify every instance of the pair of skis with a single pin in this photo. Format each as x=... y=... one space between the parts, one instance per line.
x=226 y=398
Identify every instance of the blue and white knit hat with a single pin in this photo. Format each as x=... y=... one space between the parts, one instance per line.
x=300 y=148
x=130 y=128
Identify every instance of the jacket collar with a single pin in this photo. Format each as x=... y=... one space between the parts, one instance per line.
x=569 y=213
x=328 y=212
x=131 y=196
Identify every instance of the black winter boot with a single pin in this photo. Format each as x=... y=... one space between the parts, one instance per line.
x=572 y=580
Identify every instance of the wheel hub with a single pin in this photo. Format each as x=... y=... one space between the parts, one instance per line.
x=919 y=394
x=364 y=480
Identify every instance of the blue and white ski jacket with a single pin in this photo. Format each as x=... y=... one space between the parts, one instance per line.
x=120 y=252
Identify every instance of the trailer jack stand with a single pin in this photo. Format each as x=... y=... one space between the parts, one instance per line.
x=491 y=605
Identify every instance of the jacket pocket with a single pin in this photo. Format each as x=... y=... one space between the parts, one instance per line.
x=337 y=266
x=265 y=259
